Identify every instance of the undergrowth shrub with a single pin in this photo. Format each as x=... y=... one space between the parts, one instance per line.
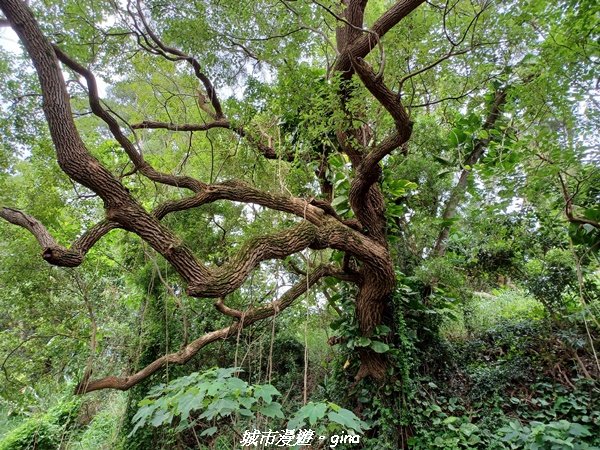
x=102 y=431
x=44 y=432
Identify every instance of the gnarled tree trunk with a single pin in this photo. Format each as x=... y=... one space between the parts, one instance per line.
x=362 y=239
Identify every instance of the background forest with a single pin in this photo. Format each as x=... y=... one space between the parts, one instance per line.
x=397 y=203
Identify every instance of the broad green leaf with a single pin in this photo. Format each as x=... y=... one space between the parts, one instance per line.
x=379 y=347
x=272 y=410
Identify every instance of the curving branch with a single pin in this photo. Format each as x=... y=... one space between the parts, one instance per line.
x=242 y=320
x=267 y=150
x=154 y=45
x=240 y=191
x=368 y=172
x=363 y=44
x=571 y=217
x=224 y=309
x=384 y=95
x=223 y=280
x=52 y=252
x=134 y=155
x=176 y=54
x=153 y=125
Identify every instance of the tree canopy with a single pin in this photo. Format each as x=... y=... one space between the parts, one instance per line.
x=360 y=166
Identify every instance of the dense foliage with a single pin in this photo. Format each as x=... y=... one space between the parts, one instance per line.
x=474 y=125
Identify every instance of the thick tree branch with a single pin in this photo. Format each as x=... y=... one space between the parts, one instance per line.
x=223 y=280
x=384 y=95
x=365 y=198
x=361 y=46
x=243 y=320
x=224 y=309
x=134 y=155
x=352 y=20
x=332 y=232
x=240 y=191
x=150 y=124
x=51 y=251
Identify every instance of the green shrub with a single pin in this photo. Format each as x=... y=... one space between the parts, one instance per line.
x=208 y=399
x=45 y=432
x=485 y=311
x=102 y=432
x=556 y=435
x=551 y=279
x=33 y=434
x=215 y=394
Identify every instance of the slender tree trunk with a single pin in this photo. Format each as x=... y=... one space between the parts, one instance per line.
x=458 y=192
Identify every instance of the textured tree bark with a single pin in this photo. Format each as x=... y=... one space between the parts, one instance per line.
x=361 y=45
x=243 y=319
x=52 y=252
x=377 y=281
x=318 y=226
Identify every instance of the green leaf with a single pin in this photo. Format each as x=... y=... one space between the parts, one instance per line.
x=379 y=347
x=316 y=412
x=247 y=402
x=579 y=430
x=363 y=342
x=188 y=402
x=209 y=431
x=449 y=420
x=266 y=392
x=339 y=200
x=222 y=407
x=444 y=161
x=295 y=422
x=161 y=417
x=347 y=419
x=272 y=410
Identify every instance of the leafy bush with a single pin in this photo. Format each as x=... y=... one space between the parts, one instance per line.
x=557 y=435
x=328 y=417
x=204 y=399
x=485 y=311
x=44 y=432
x=216 y=393
x=549 y=279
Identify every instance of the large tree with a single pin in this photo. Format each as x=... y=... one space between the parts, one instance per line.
x=330 y=88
